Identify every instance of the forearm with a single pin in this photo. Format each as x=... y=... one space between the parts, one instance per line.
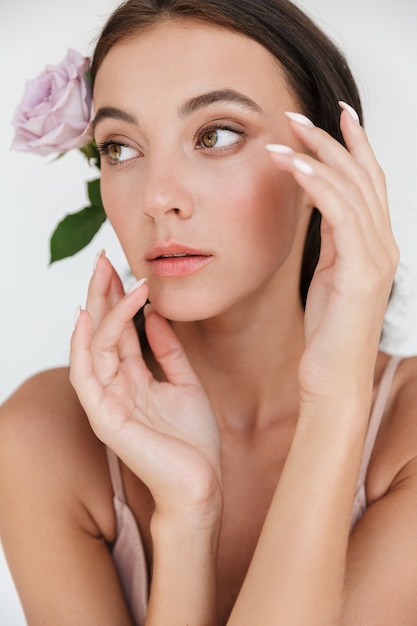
x=183 y=589
x=296 y=575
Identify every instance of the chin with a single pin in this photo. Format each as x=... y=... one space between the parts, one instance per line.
x=198 y=299
x=180 y=308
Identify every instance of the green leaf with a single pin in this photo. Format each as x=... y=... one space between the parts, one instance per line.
x=89 y=76
x=94 y=194
x=90 y=151
x=75 y=231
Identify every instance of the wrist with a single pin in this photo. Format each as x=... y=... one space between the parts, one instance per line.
x=198 y=506
x=202 y=518
x=350 y=407
x=185 y=548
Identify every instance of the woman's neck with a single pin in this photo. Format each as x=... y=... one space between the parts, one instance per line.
x=247 y=361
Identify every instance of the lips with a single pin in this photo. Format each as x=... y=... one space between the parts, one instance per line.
x=173 y=259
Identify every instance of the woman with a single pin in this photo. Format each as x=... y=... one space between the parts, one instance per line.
x=238 y=437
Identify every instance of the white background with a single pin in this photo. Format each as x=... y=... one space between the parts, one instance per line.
x=37 y=302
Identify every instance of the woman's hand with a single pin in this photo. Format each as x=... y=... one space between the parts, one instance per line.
x=301 y=552
x=351 y=285
x=164 y=431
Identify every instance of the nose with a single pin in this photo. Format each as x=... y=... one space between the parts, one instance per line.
x=166 y=190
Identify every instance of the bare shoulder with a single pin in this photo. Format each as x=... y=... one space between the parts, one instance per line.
x=56 y=516
x=381 y=568
x=395 y=453
x=44 y=415
x=46 y=440
x=43 y=392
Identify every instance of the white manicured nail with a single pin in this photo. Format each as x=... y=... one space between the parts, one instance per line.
x=303 y=167
x=77 y=315
x=136 y=285
x=299 y=118
x=350 y=110
x=98 y=255
x=278 y=148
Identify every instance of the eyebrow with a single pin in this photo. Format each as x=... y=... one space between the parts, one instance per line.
x=188 y=108
x=220 y=95
x=113 y=113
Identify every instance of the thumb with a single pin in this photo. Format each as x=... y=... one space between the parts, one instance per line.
x=168 y=350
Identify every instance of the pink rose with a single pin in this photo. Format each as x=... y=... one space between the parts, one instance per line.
x=55 y=111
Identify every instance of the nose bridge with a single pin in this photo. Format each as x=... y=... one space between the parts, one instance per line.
x=165 y=189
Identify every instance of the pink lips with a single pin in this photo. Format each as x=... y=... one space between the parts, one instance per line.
x=172 y=259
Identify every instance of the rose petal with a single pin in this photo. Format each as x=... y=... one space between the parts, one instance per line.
x=55 y=111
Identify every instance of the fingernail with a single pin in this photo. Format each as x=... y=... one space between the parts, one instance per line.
x=278 y=148
x=147 y=310
x=136 y=285
x=299 y=118
x=303 y=167
x=98 y=255
x=350 y=110
x=77 y=315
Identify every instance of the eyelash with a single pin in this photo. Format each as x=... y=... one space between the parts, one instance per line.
x=214 y=127
x=103 y=148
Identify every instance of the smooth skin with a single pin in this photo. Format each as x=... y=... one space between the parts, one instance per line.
x=241 y=434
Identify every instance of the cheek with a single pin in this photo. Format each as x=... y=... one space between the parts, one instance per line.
x=121 y=209
x=264 y=205
x=246 y=205
x=110 y=194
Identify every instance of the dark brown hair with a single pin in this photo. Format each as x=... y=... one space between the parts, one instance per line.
x=315 y=69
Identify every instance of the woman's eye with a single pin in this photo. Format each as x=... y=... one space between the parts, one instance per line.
x=219 y=138
x=117 y=152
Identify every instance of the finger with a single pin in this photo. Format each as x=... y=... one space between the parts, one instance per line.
x=168 y=351
x=344 y=194
x=368 y=261
x=129 y=344
x=109 y=344
x=376 y=228
x=358 y=145
x=361 y=172
x=105 y=289
x=82 y=375
x=341 y=219
x=84 y=379
x=348 y=199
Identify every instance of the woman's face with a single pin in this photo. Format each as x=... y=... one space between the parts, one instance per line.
x=184 y=112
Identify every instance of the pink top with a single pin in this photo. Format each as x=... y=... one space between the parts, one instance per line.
x=128 y=552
